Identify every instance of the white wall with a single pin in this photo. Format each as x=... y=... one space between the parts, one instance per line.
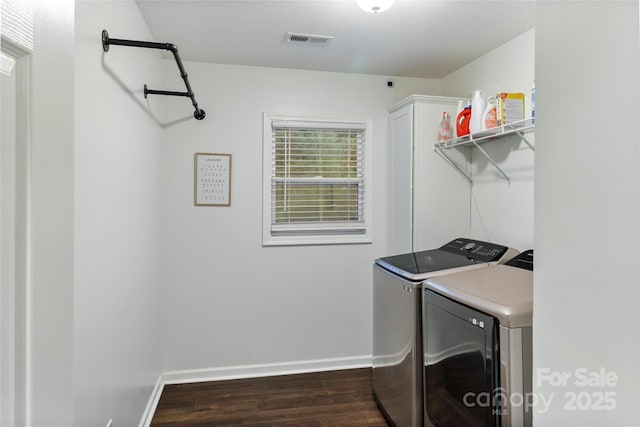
x=50 y=293
x=228 y=302
x=117 y=357
x=586 y=299
x=501 y=212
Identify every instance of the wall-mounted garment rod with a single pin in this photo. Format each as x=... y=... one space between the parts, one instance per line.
x=106 y=41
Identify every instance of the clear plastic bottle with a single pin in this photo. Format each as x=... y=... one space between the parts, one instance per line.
x=533 y=102
x=444 y=133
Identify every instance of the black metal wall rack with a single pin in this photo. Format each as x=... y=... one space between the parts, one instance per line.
x=107 y=41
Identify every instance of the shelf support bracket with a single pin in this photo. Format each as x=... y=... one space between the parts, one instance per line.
x=519 y=128
x=454 y=164
x=525 y=140
x=495 y=165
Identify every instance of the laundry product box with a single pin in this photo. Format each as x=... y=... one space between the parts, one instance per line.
x=510 y=107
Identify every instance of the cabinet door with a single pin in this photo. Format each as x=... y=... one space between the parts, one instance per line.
x=401 y=140
x=441 y=195
x=430 y=200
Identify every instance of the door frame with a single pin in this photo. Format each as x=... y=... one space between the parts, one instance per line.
x=15 y=247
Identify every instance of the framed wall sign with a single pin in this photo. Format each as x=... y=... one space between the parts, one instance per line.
x=212 y=179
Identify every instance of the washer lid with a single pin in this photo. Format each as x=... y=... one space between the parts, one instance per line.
x=505 y=292
x=422 y=265
x=458 y=253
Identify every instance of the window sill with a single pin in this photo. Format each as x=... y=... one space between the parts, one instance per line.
x=316 y=240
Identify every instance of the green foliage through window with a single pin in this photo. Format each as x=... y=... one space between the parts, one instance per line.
x=317 y=176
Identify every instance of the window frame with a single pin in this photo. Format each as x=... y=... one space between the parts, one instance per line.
x=315 y=237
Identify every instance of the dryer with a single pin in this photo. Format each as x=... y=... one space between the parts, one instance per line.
x=477 y=345
x=397 y=320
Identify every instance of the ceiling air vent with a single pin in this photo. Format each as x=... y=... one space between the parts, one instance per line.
x=308 y=38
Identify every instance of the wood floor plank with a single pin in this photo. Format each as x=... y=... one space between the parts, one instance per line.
x=319 y=399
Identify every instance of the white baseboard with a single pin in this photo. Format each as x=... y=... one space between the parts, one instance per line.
x=150 y=410
x=265 y=370
x=247 y=371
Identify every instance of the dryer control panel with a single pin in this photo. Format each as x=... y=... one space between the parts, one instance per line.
x=523 y=260
x=476 y=249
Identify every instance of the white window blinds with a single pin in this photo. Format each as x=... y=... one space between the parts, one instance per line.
x=17 y=23
x=317 y=178
x=16 y=31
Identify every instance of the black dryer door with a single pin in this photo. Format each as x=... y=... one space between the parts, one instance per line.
x=460 y=364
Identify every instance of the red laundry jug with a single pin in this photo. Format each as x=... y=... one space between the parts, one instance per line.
x=462 y=122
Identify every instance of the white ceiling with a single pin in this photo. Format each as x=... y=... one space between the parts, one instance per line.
x=415 y=38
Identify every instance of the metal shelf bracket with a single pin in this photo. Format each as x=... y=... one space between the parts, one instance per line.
x=520 y=128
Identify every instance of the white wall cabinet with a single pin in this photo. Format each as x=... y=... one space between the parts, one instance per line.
x=430 y=200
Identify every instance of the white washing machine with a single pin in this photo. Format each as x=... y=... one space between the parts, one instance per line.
x=397 y=320
x=477 y=343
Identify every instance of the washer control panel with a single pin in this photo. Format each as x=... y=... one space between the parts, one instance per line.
x=475 y=249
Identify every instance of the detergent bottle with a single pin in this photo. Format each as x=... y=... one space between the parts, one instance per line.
x=490 y=116
x=478 y=106
x=462 y=121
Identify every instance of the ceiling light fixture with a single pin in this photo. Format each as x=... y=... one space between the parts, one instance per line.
x=375 y=6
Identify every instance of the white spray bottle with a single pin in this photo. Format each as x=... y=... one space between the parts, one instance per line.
x=478 y=106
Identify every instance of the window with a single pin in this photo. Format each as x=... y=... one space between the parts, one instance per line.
x=316 y=187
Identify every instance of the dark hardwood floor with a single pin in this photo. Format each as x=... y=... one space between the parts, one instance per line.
x=335 y=398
